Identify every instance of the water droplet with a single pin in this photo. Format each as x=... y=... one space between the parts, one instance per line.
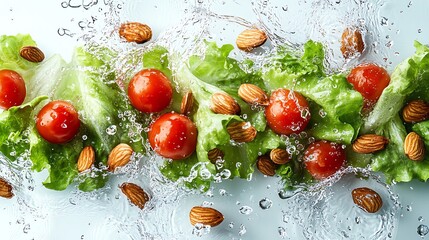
x=265 y=203
x=223 y=192
x=231 y=225
x=26 y=228
x=420 y=219
x=111 y=130
x=357 y=220
x=422 y=230
x=242 y=230
x=282 y=232
x=409 y=208
x=419 y=30
x=246 y=210
x=63 y=125
x=84 y=137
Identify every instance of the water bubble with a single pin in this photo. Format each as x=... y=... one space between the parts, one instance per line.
x=422 y=230
x=26 y=228
x=84 y=137
x=111 y=130
x=420 y=219
x=223 y=192
x=63 y=125
x=419 y=30
x=409 y=208
x=357 y=220
x=231 y=225
x=246 y=210
x=200 y=230
x=265 y=203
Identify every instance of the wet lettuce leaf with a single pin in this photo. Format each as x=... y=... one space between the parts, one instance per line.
x=89 y=83
x=409 y=81
x=335 y=105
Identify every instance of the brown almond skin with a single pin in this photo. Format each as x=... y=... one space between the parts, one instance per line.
x=119 y=156
x=222 y=103
x=266 y=166
x=414 y=147
x=351 y=42
x=253 y=94
x=367 y=199
x=135 y=194
x=135 y=32
x=279 y=156
x=187 y=103
x=5 y=189
x=240 y=132
x=32 y=54
x=416 y=111
x=369 y=143
x=206 y=216
x=215 y=154
x=86 y=159
x=250 y=39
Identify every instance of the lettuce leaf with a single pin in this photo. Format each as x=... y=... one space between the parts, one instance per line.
x=409 y=81
x=89 y=83
x=335 y=105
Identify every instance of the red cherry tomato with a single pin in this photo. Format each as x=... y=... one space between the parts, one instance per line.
x=150 y=91
x=173 y=136
x=287 y=112
x=324 y=158
x=12 y=89
x=58 y=122
x=370 y=80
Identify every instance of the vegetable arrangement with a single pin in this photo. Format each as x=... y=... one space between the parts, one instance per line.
x=288 y=118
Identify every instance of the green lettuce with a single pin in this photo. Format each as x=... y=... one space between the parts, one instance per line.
x=335 y=105
x=89 y=83
x=409 y=81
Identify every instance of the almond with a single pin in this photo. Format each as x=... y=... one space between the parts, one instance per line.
x=86 y=159
x=416 y=111
x=215 y=154
x=206 y=216
x=369 y=143
x=135 y=194
x=187 y=103
x=241 y=131
x=367 y=199
x=253 y=94
x=414 y=147
x=119 y=156
x=351 y=42
x=250 y=39
x=222 y=103
x=5 y=189
x=135 y=32
x=32 y=54
x=279 y=156
x=266 y=166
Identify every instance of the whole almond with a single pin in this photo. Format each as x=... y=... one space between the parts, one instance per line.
x=241 y=131
x=119 y=156
x=215 y=154
x=135 y=32
x=86 y=159
x=253 y=94
x=351 y=42
x=222 y=103
x=187 y=103
x=279 y=156
x=266 y=166
x=206 y=216
x=367 y=199
x=135 y=194
x=250 y=39
x=5 y=189
x=32 y=54
x=414 y=147
x=369 y=143
x=416 y=111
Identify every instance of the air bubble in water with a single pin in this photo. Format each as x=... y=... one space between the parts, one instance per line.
x=231 y=225
x=246 y=210
x=420 y=219
x=111 y=130
x=422 y=230
x=265 y=203
x=84 y=137
x=409 y=208
x=26 y=228
x=282 y=232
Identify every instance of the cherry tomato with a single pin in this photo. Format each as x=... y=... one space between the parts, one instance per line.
x=150 y=91
x=173 y=136
x=287 y=112
x=58 y=122
x=324 y=158
x=370 y=80
x=12 y=89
